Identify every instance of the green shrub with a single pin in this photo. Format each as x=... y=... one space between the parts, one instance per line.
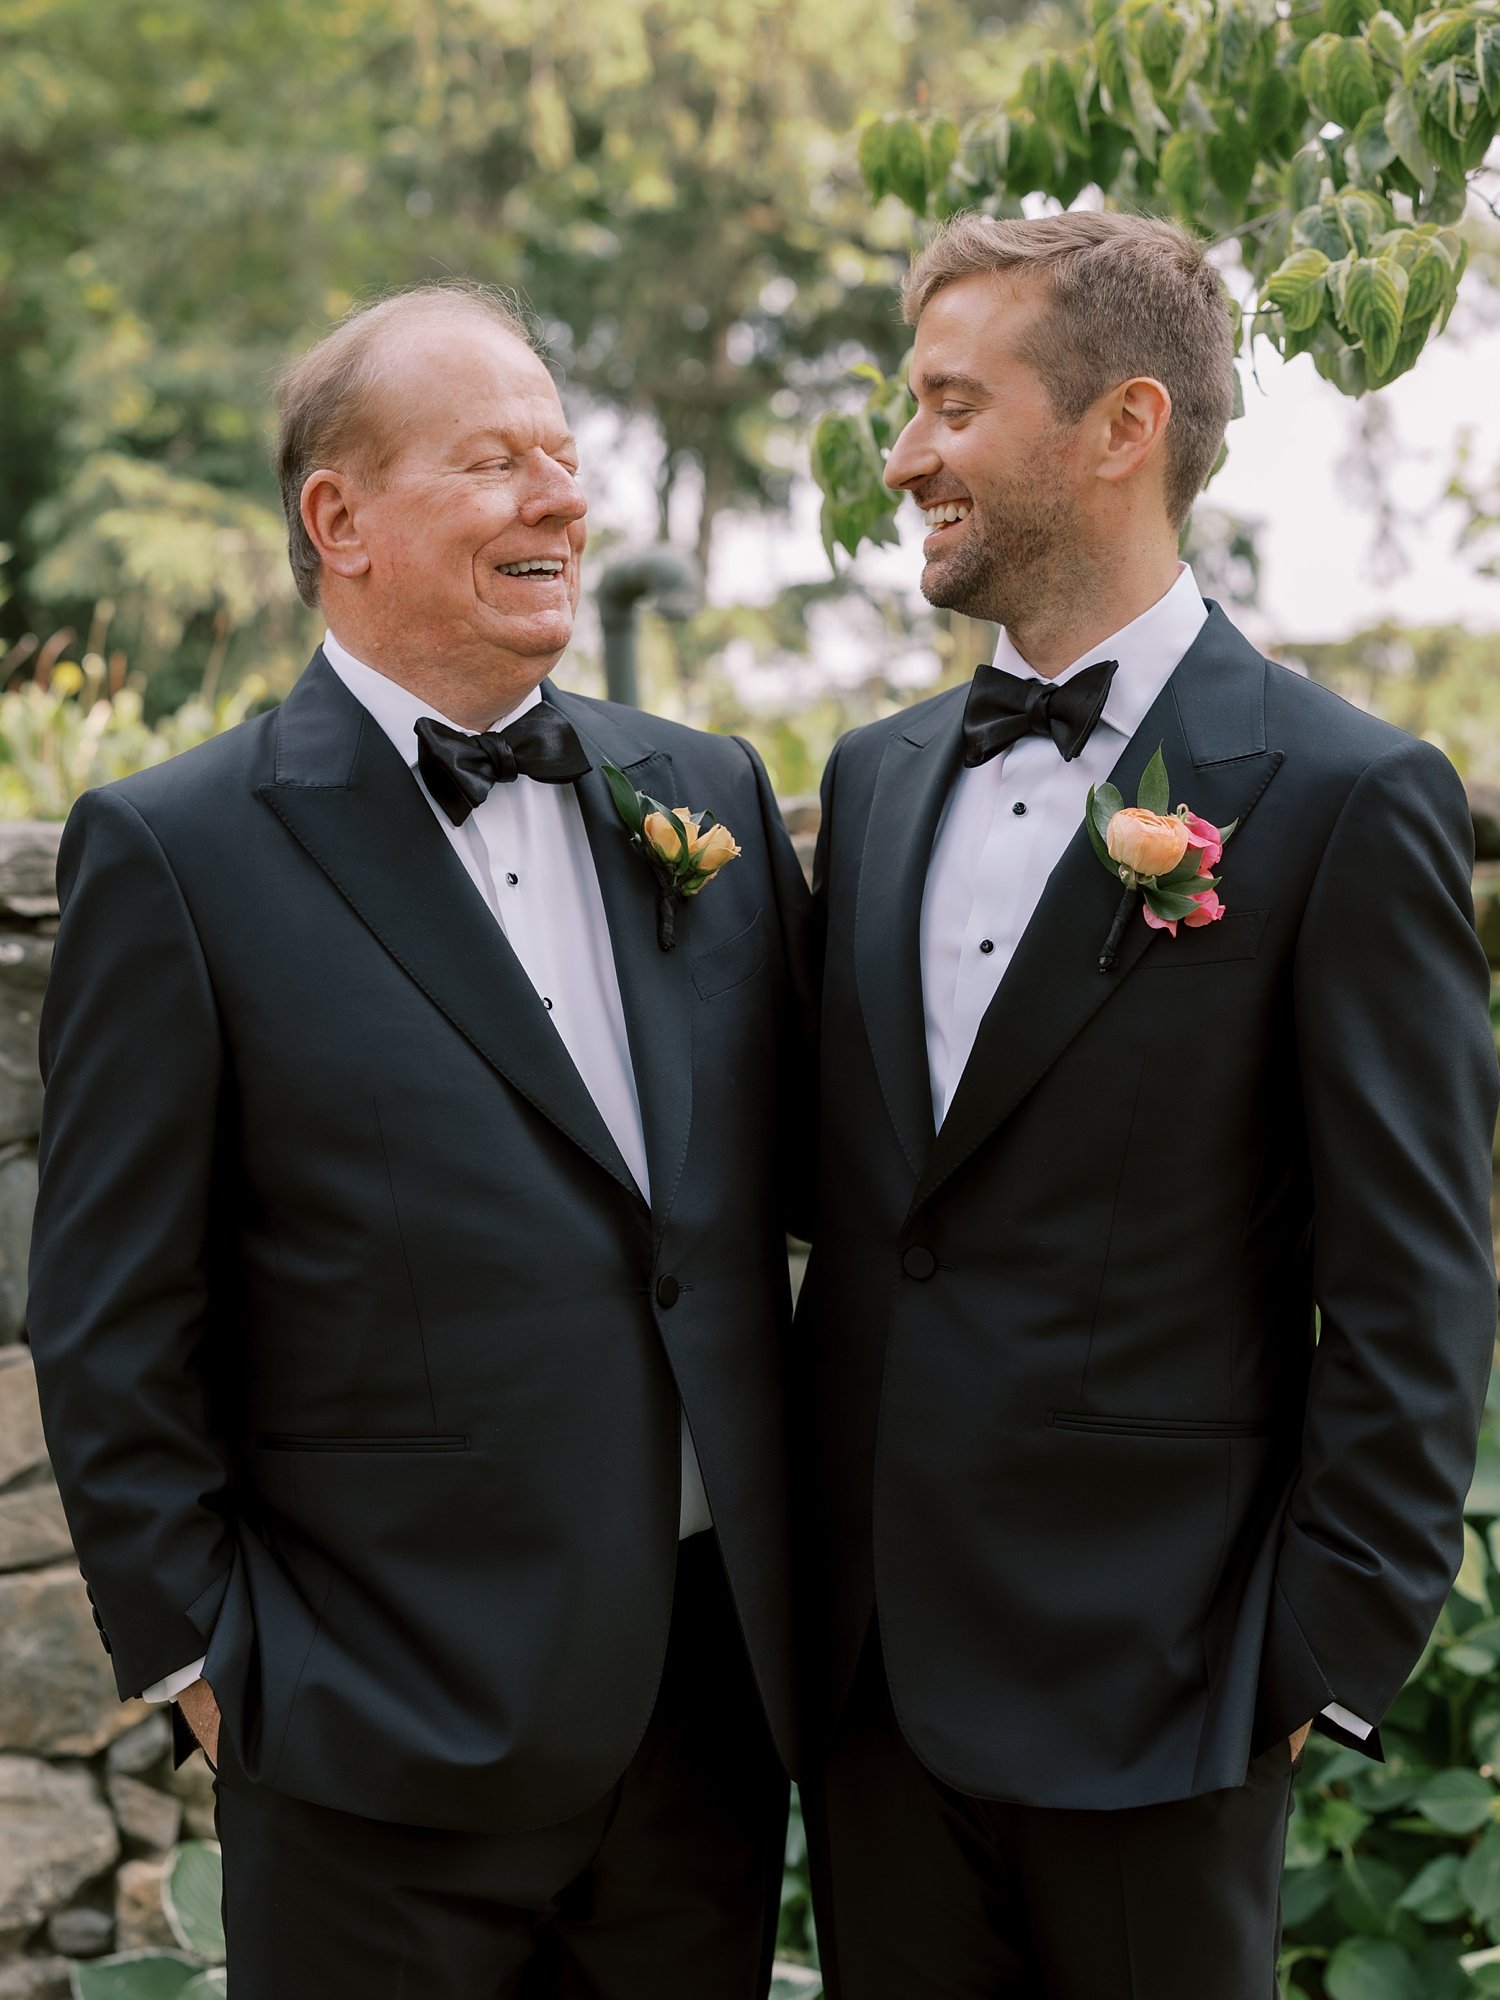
x=191 y=1899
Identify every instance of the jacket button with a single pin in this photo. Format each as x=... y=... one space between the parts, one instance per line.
x=668 y=1292
x=918 y=1262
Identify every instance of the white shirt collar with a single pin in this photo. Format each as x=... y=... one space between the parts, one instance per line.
x=1147 y=651
x=396 y=708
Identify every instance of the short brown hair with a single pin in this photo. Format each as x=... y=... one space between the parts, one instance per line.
x=1130 y=295
x=325 y=400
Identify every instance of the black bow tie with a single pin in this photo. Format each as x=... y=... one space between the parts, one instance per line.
x=459 y=769
x=1002 y=708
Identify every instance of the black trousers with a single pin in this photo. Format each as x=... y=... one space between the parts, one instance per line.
x=918 y=1889
x=669 y=1885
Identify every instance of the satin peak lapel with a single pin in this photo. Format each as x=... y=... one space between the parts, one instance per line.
x=915 y=776
x=1210 y=723
x=655 y=985
x=344 y=794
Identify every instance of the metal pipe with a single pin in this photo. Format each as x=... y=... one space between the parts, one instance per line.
x=665 y=578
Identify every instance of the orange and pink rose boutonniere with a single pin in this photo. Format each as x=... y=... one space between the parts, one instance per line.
x=1165 y=858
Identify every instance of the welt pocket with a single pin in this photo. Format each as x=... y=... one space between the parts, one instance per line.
x=412 y=1441
x=731 y=963
x=1237 y=934
x=1154 y=1427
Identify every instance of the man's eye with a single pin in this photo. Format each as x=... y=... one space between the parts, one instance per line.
x=952 y=414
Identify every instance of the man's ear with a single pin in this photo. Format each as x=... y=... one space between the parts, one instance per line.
x=329 y=511
x=1133 y=423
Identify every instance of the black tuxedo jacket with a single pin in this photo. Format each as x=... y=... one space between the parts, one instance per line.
x=360 y=1352
x=1126 y=1517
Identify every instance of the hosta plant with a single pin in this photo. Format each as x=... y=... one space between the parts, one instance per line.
x=191 y=1897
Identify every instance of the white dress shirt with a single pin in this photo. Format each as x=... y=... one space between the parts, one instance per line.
x=526 y=851
x=1003 y=830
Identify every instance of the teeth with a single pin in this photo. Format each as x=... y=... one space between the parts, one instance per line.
x=951 y=510
x=545 y=566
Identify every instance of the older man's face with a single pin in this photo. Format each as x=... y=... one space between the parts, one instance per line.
x=475 y=534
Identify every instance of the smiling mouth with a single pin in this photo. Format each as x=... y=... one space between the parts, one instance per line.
x=946 y=513
x=535 y=568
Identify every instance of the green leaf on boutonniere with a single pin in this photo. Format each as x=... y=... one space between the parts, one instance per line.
x=1104 y=802
x=1171 y=905
x=1155 y=794
x=1225 y=831
x=1095 y=832
x=1187 y=871
x=627 y=799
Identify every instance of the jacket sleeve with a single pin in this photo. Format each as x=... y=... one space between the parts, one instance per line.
x=133 y=1064
x=1400 y=1086
x=797 y=1136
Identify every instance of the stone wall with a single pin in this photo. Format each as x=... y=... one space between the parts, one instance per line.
x=89 y=1804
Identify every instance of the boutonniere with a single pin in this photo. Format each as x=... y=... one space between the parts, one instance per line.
x=684 y=850
x=1166 y=858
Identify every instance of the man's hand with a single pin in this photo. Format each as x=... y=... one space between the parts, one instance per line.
x=1298 y=1737
x=202 y=1711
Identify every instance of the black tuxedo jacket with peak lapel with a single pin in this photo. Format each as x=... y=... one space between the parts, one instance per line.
x=1124 y=1517
x=355 y=1350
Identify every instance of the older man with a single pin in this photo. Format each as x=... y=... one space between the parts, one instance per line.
x=408 y=1291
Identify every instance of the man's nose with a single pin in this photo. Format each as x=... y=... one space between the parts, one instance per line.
x=911 y=458
x=554 y=494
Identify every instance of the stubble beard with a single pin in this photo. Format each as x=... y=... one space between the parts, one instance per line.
x=1013 y=563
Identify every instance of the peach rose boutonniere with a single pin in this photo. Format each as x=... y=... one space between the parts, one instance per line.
x=1166 y=858
x=684 y=850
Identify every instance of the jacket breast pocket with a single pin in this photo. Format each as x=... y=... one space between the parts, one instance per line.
x=731 y=963
x=1237 y=934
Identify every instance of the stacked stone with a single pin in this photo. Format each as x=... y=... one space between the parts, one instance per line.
x=89 y=1805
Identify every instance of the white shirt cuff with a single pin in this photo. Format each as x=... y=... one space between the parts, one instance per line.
x=172 y=1686
x=1363 y=1730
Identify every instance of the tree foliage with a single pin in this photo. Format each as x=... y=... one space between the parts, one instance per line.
x=1332 y=145
x=188 y=197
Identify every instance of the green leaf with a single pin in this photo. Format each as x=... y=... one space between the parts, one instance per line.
x=1487 y=61
x=1187 y=870
x=1312 y=72
x=1352 y=89
x=132 y=1975
x=1273 y=106
x=212 y=1984
x=1372 y=305
x=1305 y=1891
x=627 y=799
x=192 y=1893
x=1474 y=1571
x=1171 y=905
x=1180 y=171
x=1371 y=148
x=1296 y=287
x=872 y=151
x=1433 y=1893
x=1096 y=837
x=1404 y=130
x=1302 y=180
x=1155 y=791
x=1387 y=38
x=1232 y=158
x=1457 y=1801
x=942 y=150
x=906 y=163
x=1479 y=1877
x=1366 y=1968
x=1320 y=228
x=1108 y=800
